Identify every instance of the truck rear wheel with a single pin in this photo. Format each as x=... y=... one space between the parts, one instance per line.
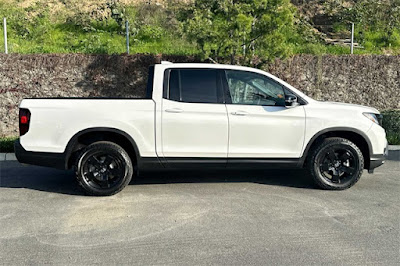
x=103 y=168
x=336 y=164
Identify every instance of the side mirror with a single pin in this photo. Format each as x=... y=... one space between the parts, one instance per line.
x=291 y=100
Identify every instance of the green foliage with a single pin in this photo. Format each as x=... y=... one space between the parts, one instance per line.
x=391 y=120
x=149 y=32
x=338 y=27
x=377 y=22
x=391 y=123
x=224 y=28
x=240 y=29
x=393 y=138
x=98 y=30
x=7 y=144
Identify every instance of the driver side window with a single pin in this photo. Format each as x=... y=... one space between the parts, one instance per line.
x=254 y=89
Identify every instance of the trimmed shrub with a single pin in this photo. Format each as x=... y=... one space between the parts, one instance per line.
x=391 y=123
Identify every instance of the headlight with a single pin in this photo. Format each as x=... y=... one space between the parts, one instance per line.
x=376 y=118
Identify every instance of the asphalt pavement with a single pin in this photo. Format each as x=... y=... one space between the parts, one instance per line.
x=210 y=218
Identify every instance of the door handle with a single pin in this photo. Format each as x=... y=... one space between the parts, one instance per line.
x=174 y=110
x=241 y=113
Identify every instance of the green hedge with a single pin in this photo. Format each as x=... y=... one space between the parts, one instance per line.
x=391 y=123
x=7 y=144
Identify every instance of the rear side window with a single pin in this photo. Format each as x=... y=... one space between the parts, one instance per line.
x=194 y=86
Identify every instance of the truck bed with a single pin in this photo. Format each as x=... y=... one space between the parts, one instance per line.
x=56 y=120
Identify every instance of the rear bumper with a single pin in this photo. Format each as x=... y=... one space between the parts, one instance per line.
x=54 y=160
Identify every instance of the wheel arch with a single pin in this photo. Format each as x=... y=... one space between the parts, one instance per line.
x=356 y=136
x=87 y=136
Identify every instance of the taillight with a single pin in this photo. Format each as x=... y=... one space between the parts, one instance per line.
x=24 y=119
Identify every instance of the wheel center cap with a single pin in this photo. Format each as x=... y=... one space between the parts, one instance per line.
x=337 y=163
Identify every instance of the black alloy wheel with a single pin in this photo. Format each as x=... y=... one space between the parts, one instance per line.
x=103 y=168
x=336 y=163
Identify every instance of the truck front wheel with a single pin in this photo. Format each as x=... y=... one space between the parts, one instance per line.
x=103 y=168
x=336 y=164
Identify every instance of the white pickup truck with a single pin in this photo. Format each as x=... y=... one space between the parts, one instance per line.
x=201 y=116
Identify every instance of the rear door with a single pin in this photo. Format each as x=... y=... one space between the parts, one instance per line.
x=194 y=119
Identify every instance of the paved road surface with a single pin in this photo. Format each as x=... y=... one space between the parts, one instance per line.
x=273 y=217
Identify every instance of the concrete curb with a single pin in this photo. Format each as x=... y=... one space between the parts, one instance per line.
x=393 y=154
x=7 y=157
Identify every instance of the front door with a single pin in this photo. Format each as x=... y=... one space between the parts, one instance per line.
x=260 y=125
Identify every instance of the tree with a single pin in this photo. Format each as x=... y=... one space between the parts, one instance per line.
x=224 y=28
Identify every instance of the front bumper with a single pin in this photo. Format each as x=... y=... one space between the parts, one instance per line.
x=378 y=147
x=378 y=159
x=54 y=160
x=376 y=162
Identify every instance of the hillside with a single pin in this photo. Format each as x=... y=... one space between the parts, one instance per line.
x=376 y=22
x=92 y=26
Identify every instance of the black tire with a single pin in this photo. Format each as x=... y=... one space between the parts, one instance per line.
x=103 y=168
x=336 y=164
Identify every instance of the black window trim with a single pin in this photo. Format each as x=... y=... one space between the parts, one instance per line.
x=166 y=84
x=220 y=86
x=228 y=93
x=150 y=83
